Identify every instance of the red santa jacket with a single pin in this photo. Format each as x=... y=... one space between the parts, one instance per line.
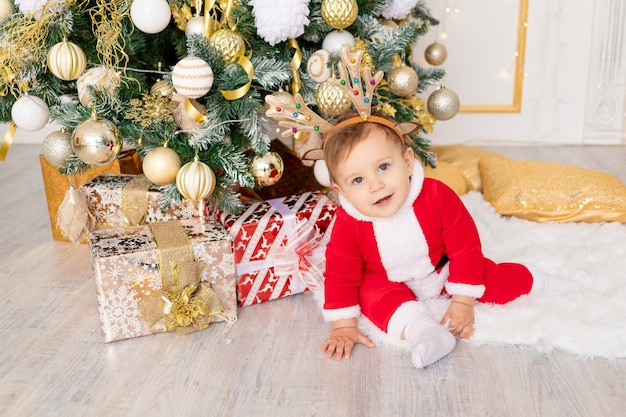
x=433 y=225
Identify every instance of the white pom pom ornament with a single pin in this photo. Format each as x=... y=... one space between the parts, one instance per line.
x=278 y=20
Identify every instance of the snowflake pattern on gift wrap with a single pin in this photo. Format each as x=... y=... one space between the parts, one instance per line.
x=118 y=310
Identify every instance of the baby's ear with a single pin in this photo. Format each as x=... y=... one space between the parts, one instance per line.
x=406 y=128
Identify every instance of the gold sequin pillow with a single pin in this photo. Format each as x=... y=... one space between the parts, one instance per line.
x=465 y=158
x=552 y=192
x=449 y=175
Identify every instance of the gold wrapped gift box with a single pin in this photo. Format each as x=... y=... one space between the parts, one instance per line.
x=56 y=185
x=142 y=286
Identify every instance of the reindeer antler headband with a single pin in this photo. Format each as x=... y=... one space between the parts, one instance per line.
x=300 y=118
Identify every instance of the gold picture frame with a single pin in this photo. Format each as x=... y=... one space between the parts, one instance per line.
x=516 y=105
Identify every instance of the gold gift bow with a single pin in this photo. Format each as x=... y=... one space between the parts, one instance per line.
x=184 y=302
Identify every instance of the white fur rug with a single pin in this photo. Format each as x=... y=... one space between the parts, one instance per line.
x=589 y=322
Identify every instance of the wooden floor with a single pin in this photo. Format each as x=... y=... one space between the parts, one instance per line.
x=54 y=363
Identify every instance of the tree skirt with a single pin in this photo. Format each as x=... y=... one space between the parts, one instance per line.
x=589 y=322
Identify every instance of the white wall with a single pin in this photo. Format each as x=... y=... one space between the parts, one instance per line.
x=575 y=66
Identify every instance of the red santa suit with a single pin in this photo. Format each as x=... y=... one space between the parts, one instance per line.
x=381 y=266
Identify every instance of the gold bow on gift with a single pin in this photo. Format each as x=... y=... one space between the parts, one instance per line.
x=184 y=302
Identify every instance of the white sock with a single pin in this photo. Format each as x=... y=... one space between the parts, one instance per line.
x=432 y=340
x=543 y=281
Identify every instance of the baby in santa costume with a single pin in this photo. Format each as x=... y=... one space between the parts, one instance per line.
x=400 y=238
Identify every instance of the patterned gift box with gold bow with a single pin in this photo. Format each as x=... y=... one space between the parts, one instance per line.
x=56 y=185
x=279 y=245
x=118 y=200
x=162 y=277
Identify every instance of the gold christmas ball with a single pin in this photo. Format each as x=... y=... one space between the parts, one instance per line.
x=97 y=141
x=57 y=147
x=402 y=81
x=339 y=14
x=66 y=60
x=229 y=43
x=161 y=165
x=195 y=180
x=331 y=100
x=435 y=54
x=162 y=87
x=99 y=78
x=192 y=77
x=267 y=169
x=443 y=103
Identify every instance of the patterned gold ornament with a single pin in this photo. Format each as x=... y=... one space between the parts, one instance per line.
x=402 y=81
x=192 y=77
x=267 y=169
x=195 y=180
x=66 y=60
x=100 y=78
x=339 y=14
x=161 y=165
x=331 y=100
x=435 y=54
x=443 y=103
x=162 y=87
x=57 y=147
x=97 y=141
x=230 y=43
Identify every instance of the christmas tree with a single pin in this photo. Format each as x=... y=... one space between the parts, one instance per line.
x=184 y=81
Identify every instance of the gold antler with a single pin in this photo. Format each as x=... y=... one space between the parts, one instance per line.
x=351 y=84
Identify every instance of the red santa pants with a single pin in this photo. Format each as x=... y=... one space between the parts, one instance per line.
x=380 y=298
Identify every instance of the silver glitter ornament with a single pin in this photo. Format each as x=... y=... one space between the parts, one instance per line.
x=57 y=147
x=443 y=103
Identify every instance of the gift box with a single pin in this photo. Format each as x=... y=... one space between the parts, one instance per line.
x=161 y=277
x=56 y=184
x=279 y=245
x=119 y=200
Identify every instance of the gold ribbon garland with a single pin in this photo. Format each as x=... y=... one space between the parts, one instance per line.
x=184 y=302
x=238 y=93
x=7 y=141
x=193 y=112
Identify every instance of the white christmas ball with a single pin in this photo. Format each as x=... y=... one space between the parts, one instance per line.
x=6 y=8
x=100 y=78
x=320 y=172
x=150 y=16
x=30 y=113
x=335 y=39
x=195 y=26
x=192 y=77
x=317 y=66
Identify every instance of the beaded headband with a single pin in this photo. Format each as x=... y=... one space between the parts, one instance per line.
x=298 y=117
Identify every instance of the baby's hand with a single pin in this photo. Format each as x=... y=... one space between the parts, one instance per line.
x=459 y=318
x=342 y=340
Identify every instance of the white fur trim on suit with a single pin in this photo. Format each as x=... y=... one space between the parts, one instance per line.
x=403 y=316
x=341 y=313
x=410 y=259
x=431 y=285
x=468 y=290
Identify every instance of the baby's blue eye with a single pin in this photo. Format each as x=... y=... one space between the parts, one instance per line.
x=357 y=180
x=383 y=167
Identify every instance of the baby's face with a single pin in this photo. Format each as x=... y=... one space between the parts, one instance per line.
x=375 y=177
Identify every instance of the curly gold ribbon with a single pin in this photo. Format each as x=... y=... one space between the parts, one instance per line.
x=237 y=93
x=7 y=141
x=193 y=112
x=185 y=303
x=296 y=61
